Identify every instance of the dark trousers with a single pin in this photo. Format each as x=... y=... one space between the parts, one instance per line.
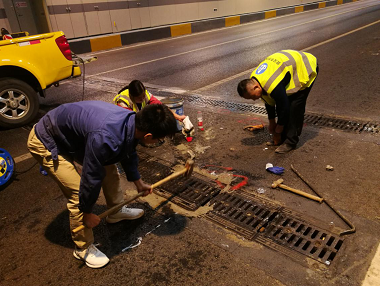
x=293 y=129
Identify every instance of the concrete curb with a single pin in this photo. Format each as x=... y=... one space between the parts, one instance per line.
x=93 y=44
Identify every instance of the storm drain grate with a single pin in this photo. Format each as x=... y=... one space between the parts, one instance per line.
x=256 y=219
x=190 y=193
x=312 y=119
x=337 y=123
x=242 y=214
x=274 y=226
x=289 y=232
x=233 y=106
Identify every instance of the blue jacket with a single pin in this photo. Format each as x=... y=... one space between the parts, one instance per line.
x=95 y=134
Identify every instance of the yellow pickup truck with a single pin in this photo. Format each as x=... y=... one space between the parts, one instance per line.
x=28 y=66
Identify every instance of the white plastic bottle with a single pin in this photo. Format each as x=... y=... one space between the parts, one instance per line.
x=200 y=121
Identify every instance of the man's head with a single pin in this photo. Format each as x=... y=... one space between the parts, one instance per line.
x=136 y=91
x=250 y=89
x=4 y=31
x=154 y=122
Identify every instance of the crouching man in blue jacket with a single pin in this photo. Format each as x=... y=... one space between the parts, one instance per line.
x=97 y=135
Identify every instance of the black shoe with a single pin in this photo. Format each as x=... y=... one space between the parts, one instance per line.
x=284 y=148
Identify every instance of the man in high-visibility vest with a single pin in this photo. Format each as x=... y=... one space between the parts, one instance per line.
x=283 y=81
x=135 y=97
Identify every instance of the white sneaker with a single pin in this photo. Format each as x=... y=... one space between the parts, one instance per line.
x=125 y=213
x=93 y=257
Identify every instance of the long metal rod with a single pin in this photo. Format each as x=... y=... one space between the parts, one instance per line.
x=349 y=231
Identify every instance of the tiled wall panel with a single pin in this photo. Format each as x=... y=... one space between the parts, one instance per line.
x=207 y=10
x=163 y=15
x=187 y=12
x=120 y=20
x=227 y=7
x=80 y=18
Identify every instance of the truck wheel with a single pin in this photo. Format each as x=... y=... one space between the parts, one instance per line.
x=19 y=103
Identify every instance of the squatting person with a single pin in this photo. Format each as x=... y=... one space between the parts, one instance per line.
x=283 y=81
x=97 y=135
x=135 y=97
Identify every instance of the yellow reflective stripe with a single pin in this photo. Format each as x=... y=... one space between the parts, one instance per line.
x=274 y=76
x=147 y=95
x=307 y=63
x=292 y=62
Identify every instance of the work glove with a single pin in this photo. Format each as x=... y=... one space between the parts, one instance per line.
x=187 y=129
x=274 y=169
x=253 y=127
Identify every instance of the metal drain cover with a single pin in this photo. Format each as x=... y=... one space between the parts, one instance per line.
x=317 y=120
x=189 y=193
x=255 y=218
x=273 y=225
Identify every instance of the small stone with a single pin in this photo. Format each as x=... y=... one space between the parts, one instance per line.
x=329 y=168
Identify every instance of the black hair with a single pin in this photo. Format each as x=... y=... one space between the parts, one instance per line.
x=4 y=31
x=156 y=119
x=242 y=87
x=135 y=87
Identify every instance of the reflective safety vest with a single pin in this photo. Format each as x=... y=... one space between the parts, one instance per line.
x=301 y=66
x=123 y=100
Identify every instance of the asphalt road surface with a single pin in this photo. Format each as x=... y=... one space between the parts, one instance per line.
x=35 y=244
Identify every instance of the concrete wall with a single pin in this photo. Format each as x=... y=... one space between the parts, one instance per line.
x=80 y=18
x=4 y=23
x=93 y=25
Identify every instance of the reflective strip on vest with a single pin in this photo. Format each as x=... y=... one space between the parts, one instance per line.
x=124 y=100
x=301 y=66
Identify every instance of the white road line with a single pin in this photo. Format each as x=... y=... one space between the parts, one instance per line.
x=225 y=43
x=248 y=72
x=373 y=274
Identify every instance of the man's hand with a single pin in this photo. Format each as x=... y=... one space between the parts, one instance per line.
x=143 y=187
x=272 y=125
x=179 y=117
x=90 y=220
x=276 y=138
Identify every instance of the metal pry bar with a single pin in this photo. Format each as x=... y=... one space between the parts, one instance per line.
x=349 y=231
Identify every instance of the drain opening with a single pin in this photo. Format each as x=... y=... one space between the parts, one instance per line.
x=318 y=120
x=256 y=219
x=273 y=226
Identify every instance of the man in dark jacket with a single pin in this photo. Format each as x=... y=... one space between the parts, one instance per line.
x=97 y=135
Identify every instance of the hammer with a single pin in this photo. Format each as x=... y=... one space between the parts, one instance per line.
x=278 y=183
x=189 y=166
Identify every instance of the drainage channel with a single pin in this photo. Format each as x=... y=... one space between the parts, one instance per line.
x=273 y=225
x=311 y=119
x=189 y=193
x=255 y=218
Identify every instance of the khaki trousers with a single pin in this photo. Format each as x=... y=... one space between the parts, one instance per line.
x=63 y=171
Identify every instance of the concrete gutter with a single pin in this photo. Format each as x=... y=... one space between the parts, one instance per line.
x=110 y=41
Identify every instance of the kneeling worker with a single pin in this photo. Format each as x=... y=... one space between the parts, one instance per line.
x=97 y=135
x=283 y=81
x=135 y=97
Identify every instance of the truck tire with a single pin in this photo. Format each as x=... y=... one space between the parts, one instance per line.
x=19 y=103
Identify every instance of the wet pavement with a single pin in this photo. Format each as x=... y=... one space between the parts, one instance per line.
x=196 y=247
x=178 y=248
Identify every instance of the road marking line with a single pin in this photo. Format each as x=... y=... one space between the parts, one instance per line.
x=225 y=43
x=303 y=50
x=372 y=277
